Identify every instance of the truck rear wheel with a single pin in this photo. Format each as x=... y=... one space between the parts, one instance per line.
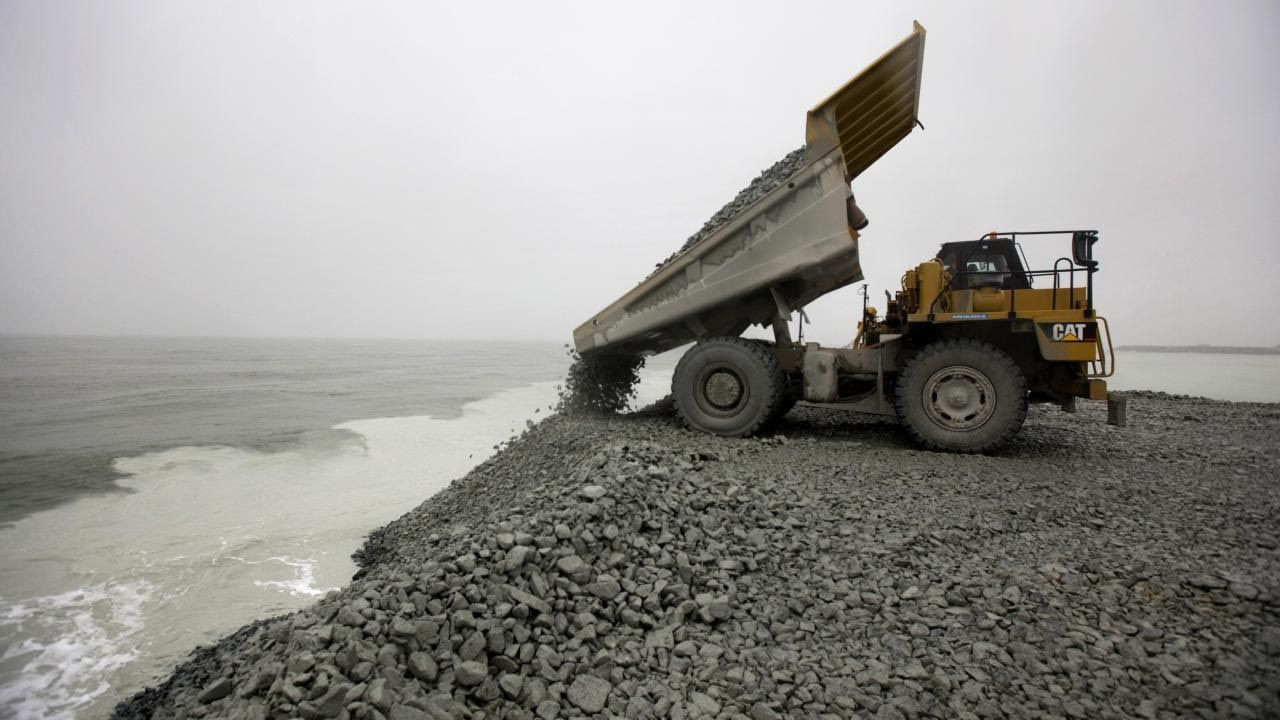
x=728 y=386
x=787 y=399
x=962 y=396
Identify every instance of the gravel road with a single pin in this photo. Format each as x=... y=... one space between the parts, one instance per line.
x=625 y=567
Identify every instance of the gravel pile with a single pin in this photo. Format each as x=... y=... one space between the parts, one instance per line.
x=767 y=180
x=620 y=566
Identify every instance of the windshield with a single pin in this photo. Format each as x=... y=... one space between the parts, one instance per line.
x=983 y=264
x=987 y=264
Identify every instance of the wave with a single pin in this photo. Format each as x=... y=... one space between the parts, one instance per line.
x=69 y=644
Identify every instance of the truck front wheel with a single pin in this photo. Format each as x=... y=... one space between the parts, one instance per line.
x=961 y=396
x=728 y=386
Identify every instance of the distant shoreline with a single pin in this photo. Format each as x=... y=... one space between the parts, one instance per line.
x=1210 y=349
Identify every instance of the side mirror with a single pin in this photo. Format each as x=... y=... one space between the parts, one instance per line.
x=1082 y=248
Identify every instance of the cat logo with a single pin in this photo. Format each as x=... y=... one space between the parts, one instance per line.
x=1068 y=332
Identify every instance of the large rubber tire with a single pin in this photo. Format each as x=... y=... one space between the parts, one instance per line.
x=788 y=401
x=728 y=386
x=962 y=395
x=788 y=398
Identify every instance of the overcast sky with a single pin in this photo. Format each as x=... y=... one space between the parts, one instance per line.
x=494 y=170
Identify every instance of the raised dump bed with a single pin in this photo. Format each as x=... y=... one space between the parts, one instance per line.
x=790 y=246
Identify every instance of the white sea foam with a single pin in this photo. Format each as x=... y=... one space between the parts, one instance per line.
x=72 y=643
x=303 y=583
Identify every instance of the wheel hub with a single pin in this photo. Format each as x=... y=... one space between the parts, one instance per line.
x=723 y=390
x=959 y=398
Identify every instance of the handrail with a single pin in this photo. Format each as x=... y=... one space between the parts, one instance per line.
x=1104 y=369
x=1071 y=270
x=1089 y=269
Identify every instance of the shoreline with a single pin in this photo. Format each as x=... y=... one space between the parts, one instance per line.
x=805 y=541
x=1202 y=349
x=239 y=539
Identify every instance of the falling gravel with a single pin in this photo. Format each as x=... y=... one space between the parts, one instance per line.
x=602 y=382
x=619 y=566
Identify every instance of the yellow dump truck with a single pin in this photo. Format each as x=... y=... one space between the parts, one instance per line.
x=972 y=337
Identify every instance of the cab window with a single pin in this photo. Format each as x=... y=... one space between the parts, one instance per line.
x=987 y=264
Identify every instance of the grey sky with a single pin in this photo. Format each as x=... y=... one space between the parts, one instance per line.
x=482 y=170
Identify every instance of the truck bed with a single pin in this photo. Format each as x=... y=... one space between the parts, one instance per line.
x=785 y=248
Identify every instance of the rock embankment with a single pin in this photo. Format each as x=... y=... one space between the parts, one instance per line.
x=624 y=567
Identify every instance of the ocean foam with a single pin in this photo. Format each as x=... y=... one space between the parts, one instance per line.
x=303 y=583
x=71 y=644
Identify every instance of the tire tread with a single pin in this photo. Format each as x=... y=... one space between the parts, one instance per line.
x=907 y=380
x=775 y=389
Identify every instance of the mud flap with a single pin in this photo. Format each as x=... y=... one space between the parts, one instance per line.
x=1117 y=406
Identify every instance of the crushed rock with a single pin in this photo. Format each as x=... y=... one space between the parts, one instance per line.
x=1086 y=572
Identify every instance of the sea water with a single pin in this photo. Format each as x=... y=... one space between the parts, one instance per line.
x=160 y=493
x=1235 y=377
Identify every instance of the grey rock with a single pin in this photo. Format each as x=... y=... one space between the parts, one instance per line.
x=517 y=557
x=663 y=637
x=572 y=565
x=688 y=648
x=913 y=670
x=488 y=691
x=1244 y=591
x=301 y=662
x=589 y=693
x=889 y=711
x=406 y=712
x=720 y=608
x=705 y=704
x=401 y=627
x=473 y=647
x=605 y=589
x=1206 y=582
x=331 y=703
x=423 y=666
x=349 y=617
x=426 y=632
x=511 y=685
x=471 y=673
x=592 y=492
x=215 y=690
x=379 y=696
x=532 y=601
x=760 y=711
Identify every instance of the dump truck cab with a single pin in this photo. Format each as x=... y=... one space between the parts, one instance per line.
x=984 y=263
x=1041 y=320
